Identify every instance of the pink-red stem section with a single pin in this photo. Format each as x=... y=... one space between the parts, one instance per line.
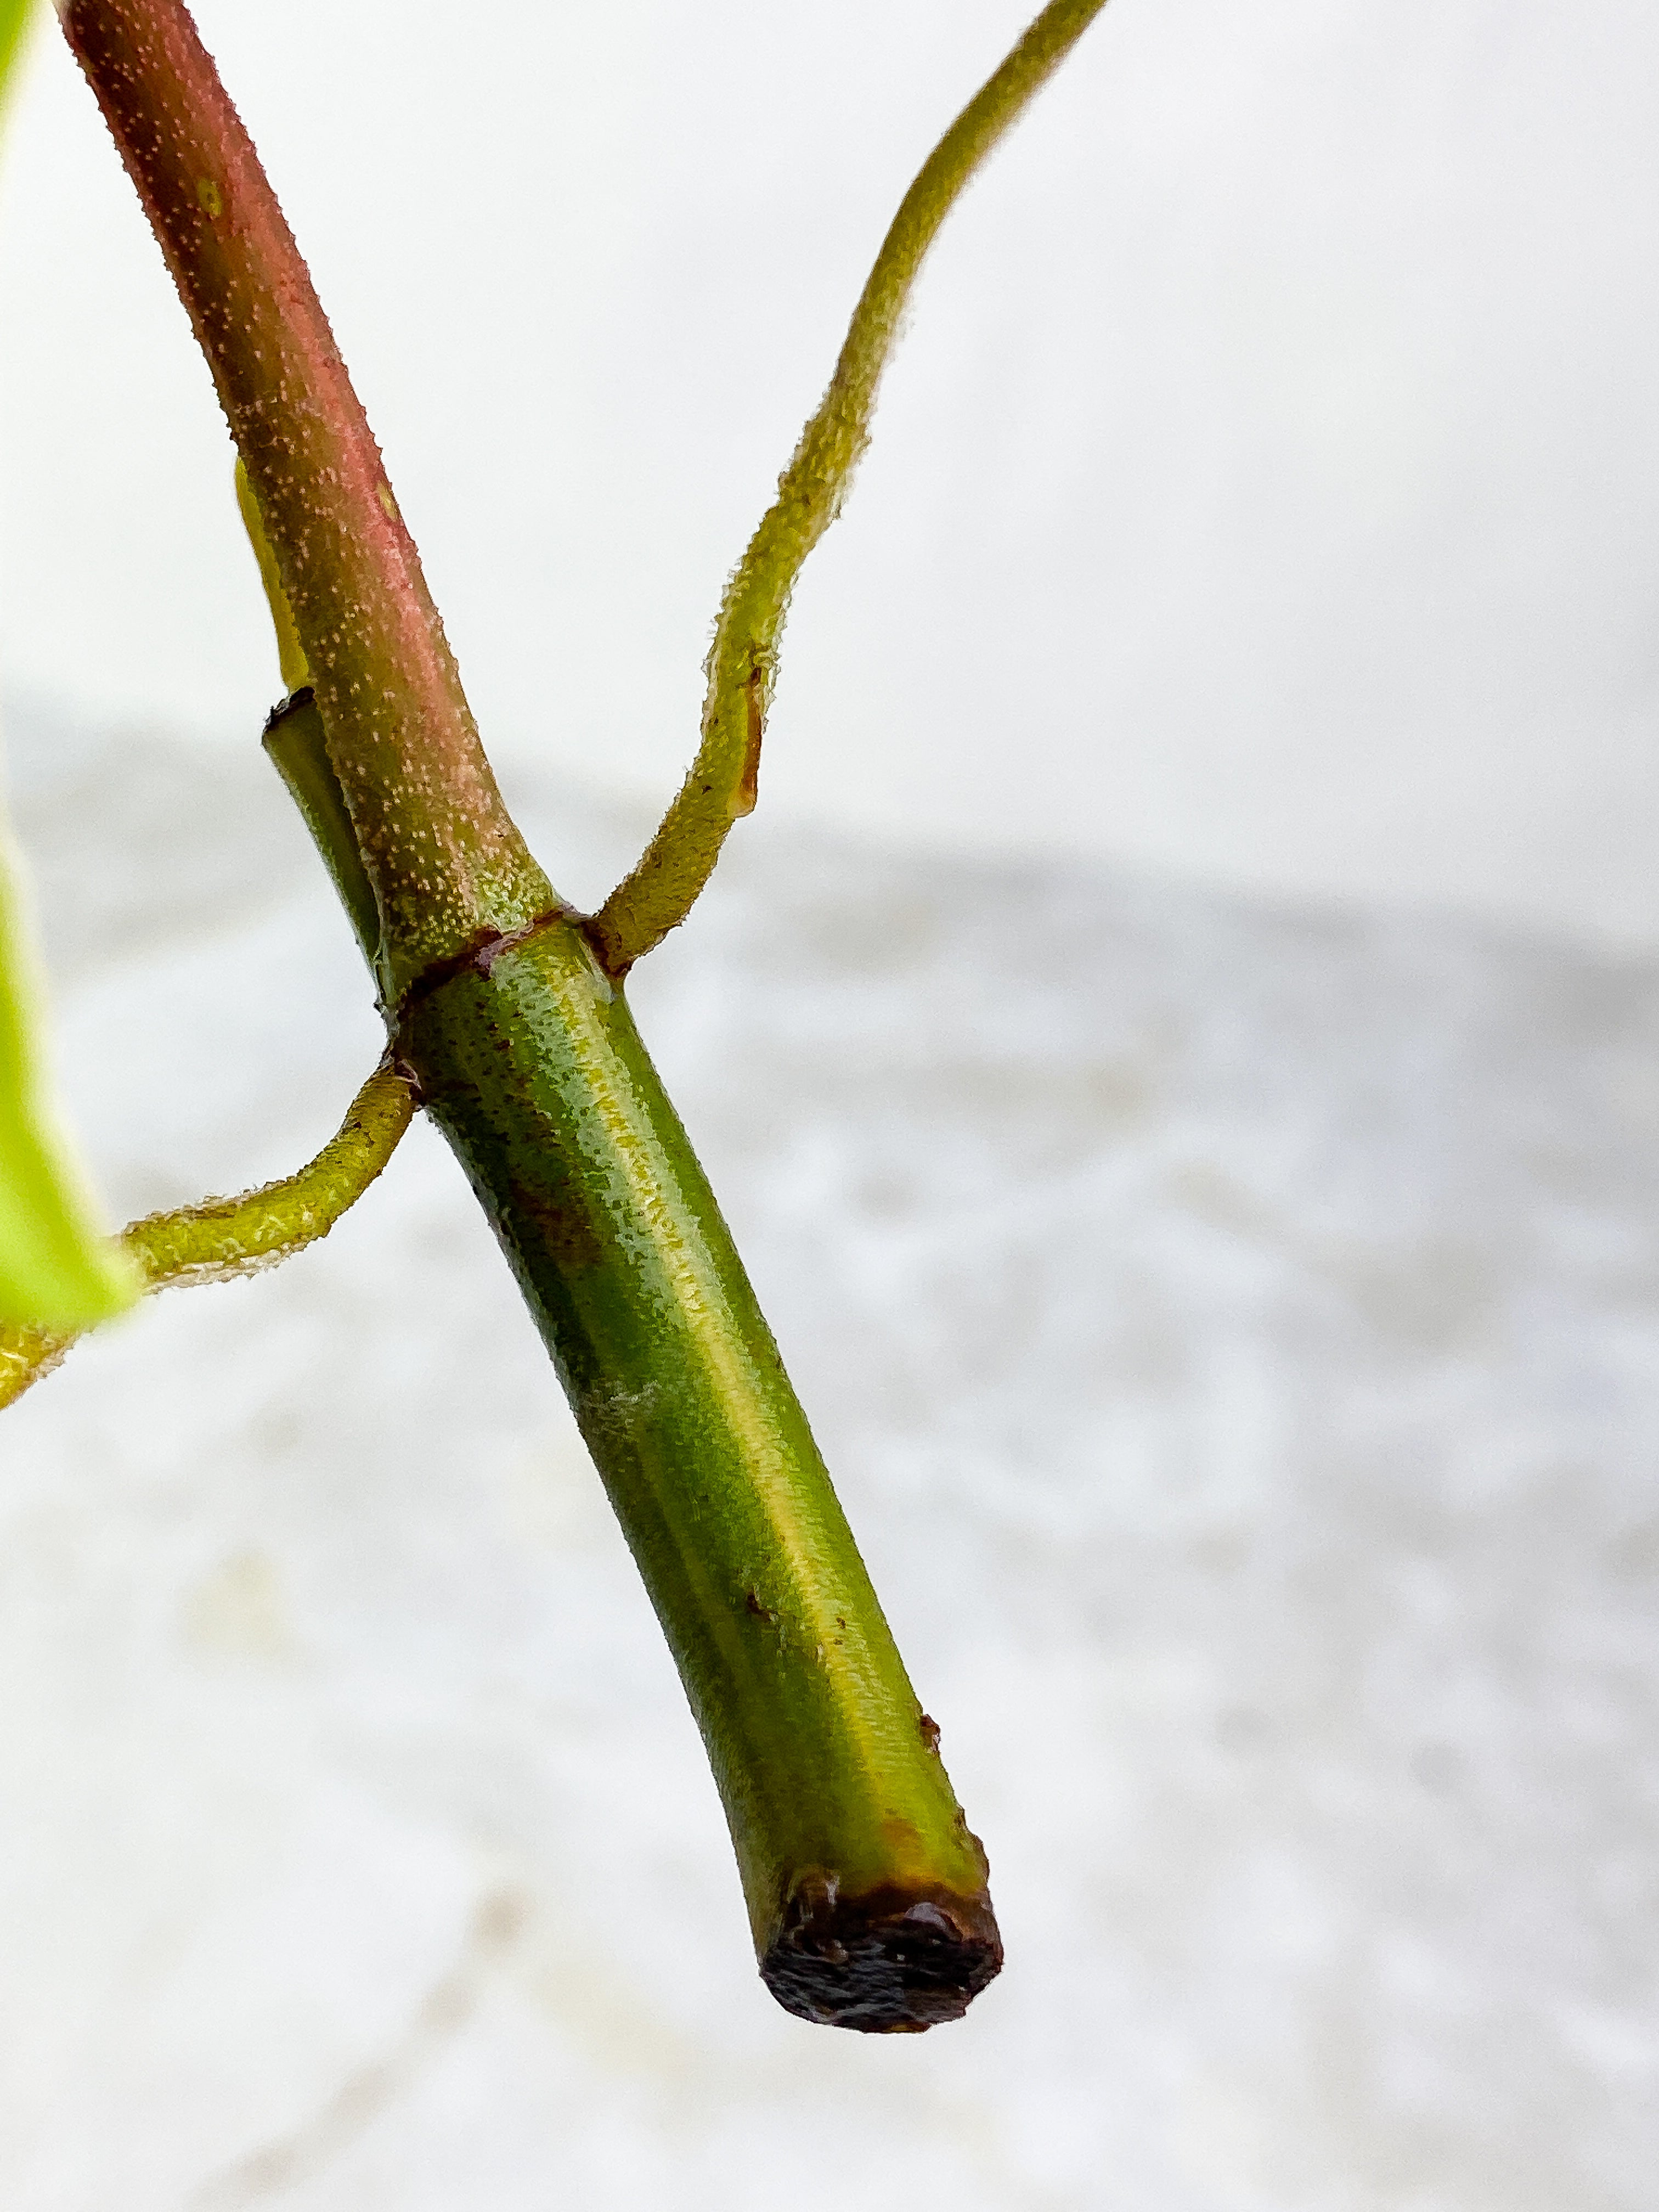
x=443 y=855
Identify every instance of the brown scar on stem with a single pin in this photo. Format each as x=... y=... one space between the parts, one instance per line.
x=394 y=1063
x=478 y=955
x=748 y=789
x=930 y=1732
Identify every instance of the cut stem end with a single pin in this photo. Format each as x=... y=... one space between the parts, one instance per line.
x=891 y=1962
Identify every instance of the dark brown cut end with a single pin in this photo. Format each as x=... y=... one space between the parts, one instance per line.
x=891 y=1962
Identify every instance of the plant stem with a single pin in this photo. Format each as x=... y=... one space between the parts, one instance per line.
x=290 y=654
x=297 y=745
x=444 y=856
x=866 y=1894
x=658 y=892
x=225 y=1237
x=866 y=1891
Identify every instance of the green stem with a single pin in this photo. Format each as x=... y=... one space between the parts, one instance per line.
x=298 y=747
x=297 y=744
x=866 y=1893
x=290 y=654
x=658 y=892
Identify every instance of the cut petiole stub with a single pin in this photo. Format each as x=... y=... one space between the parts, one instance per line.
x=659 y=891
x=226 y=1236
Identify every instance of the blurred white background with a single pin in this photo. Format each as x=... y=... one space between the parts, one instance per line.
x=1268 y=488
x=1235 y=1338
x=1230 y=1307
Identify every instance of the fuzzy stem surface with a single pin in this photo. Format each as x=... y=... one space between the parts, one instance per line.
x=658 y=892
x=225 y=1237
x=866 y=1893
x=443 y=855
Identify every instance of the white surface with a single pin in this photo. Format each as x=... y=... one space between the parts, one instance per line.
x=1237 y=1336
x=1268 y=487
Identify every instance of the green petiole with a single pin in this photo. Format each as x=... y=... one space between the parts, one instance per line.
x=660 y=891
x=226 y=1236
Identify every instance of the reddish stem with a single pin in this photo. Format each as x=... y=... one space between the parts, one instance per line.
x=444 y=856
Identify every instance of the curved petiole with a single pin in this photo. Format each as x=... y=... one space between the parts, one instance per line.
x=659 y=891
x=226 y=1236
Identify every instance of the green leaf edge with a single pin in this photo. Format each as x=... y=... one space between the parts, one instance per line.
x=56 y=1269
x=14 y=15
